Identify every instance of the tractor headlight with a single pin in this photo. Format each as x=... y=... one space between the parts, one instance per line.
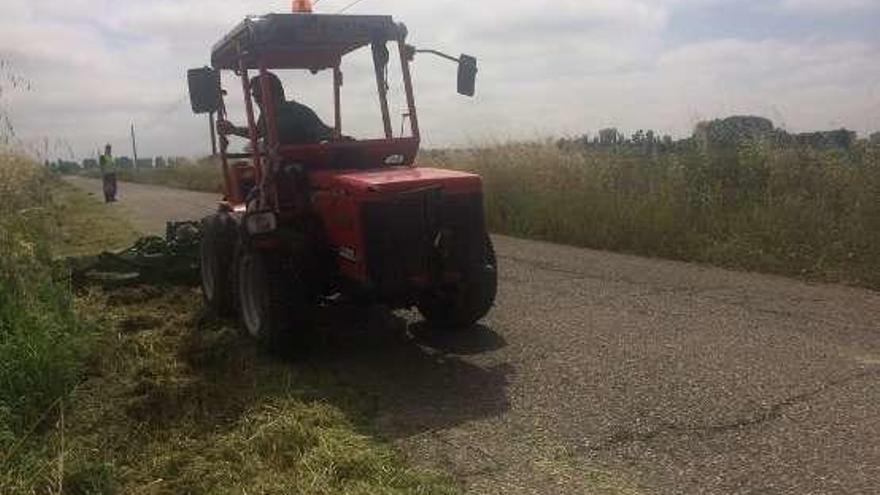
x=261 y=223
x=395 y=160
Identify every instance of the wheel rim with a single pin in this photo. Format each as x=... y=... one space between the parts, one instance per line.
x=252 y=294
x=209 y=278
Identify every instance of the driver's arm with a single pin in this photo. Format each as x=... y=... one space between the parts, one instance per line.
x=327 y=133
x=226 y=127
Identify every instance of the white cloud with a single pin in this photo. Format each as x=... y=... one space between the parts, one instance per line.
x=546 y=67
x=804 y=85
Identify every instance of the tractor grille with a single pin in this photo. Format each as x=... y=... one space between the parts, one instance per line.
x=400 y=236
x=463 y=226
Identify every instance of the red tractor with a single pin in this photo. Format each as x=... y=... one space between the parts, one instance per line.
x=308 y=225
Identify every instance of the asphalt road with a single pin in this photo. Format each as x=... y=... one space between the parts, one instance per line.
x=607 y=373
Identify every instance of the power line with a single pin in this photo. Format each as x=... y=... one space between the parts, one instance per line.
x=163 y=112
x=352 y=4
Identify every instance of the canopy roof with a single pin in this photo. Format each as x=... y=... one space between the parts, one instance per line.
x=301 y=41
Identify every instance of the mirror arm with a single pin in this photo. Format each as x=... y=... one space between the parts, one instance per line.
x=439 y=54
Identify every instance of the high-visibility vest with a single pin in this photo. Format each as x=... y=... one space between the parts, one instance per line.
x=108 y=164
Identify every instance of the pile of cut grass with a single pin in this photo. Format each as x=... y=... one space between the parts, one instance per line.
x=178 y=405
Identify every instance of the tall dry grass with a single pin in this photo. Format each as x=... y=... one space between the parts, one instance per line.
x=790 y=210
x=787 y=210
x=42 y=344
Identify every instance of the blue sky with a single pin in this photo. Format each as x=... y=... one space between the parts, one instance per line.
x=548 y=68
x=764 y=20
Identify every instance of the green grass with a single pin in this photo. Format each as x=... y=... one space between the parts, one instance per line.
x=35 y=312
x=42 y=342
x=83 y=226
x=792 y=211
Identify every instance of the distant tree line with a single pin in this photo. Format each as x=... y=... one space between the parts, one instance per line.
x=122 y=162
x=729 y=132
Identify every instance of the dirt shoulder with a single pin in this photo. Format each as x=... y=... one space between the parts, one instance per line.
x=147 y=207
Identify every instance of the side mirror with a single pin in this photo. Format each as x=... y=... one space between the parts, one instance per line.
x=204 y=89
x=467 y=75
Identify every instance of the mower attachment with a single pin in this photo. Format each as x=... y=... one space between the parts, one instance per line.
x=151 y=259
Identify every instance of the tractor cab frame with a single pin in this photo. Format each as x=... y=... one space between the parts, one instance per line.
x=341 y=218
x=314 y=43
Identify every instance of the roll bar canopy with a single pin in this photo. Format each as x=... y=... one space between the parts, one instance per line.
x=301 y=41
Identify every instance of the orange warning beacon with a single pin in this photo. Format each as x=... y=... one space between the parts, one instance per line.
x=302 y=6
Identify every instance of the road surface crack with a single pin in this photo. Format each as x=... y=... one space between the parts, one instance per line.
x=771 y=413
x=649 y=288
x=550 y=267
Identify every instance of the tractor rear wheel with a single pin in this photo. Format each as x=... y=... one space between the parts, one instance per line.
x=462 y=305
x=216 y=252
x=275 y=304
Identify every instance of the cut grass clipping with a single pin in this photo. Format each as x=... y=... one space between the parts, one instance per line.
x=175 y=407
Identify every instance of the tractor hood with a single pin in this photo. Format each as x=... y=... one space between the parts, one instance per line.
x=395 y=180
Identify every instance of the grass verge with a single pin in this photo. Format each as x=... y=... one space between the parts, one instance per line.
x=43 y=344
x=202 y=175
x=129 y=392
x=83 y=226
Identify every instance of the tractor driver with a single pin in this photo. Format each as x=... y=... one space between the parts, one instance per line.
x=296 y=123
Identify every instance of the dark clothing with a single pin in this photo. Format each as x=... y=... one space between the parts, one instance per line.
x=109 y=187
x=297 y=124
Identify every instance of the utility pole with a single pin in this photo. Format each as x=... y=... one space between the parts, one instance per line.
x=213 y=134
x=134 y=148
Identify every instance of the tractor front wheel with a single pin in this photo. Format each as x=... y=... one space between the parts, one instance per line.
x=274 y=302
x=215 y=260
x=462 y=305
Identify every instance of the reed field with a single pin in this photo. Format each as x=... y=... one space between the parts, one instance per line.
x=788 y=210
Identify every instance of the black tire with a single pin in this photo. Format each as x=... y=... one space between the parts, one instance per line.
x=469 y=301
x=275 y=303
x=216 y=256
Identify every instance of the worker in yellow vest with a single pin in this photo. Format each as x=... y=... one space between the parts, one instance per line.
x=108 y=174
